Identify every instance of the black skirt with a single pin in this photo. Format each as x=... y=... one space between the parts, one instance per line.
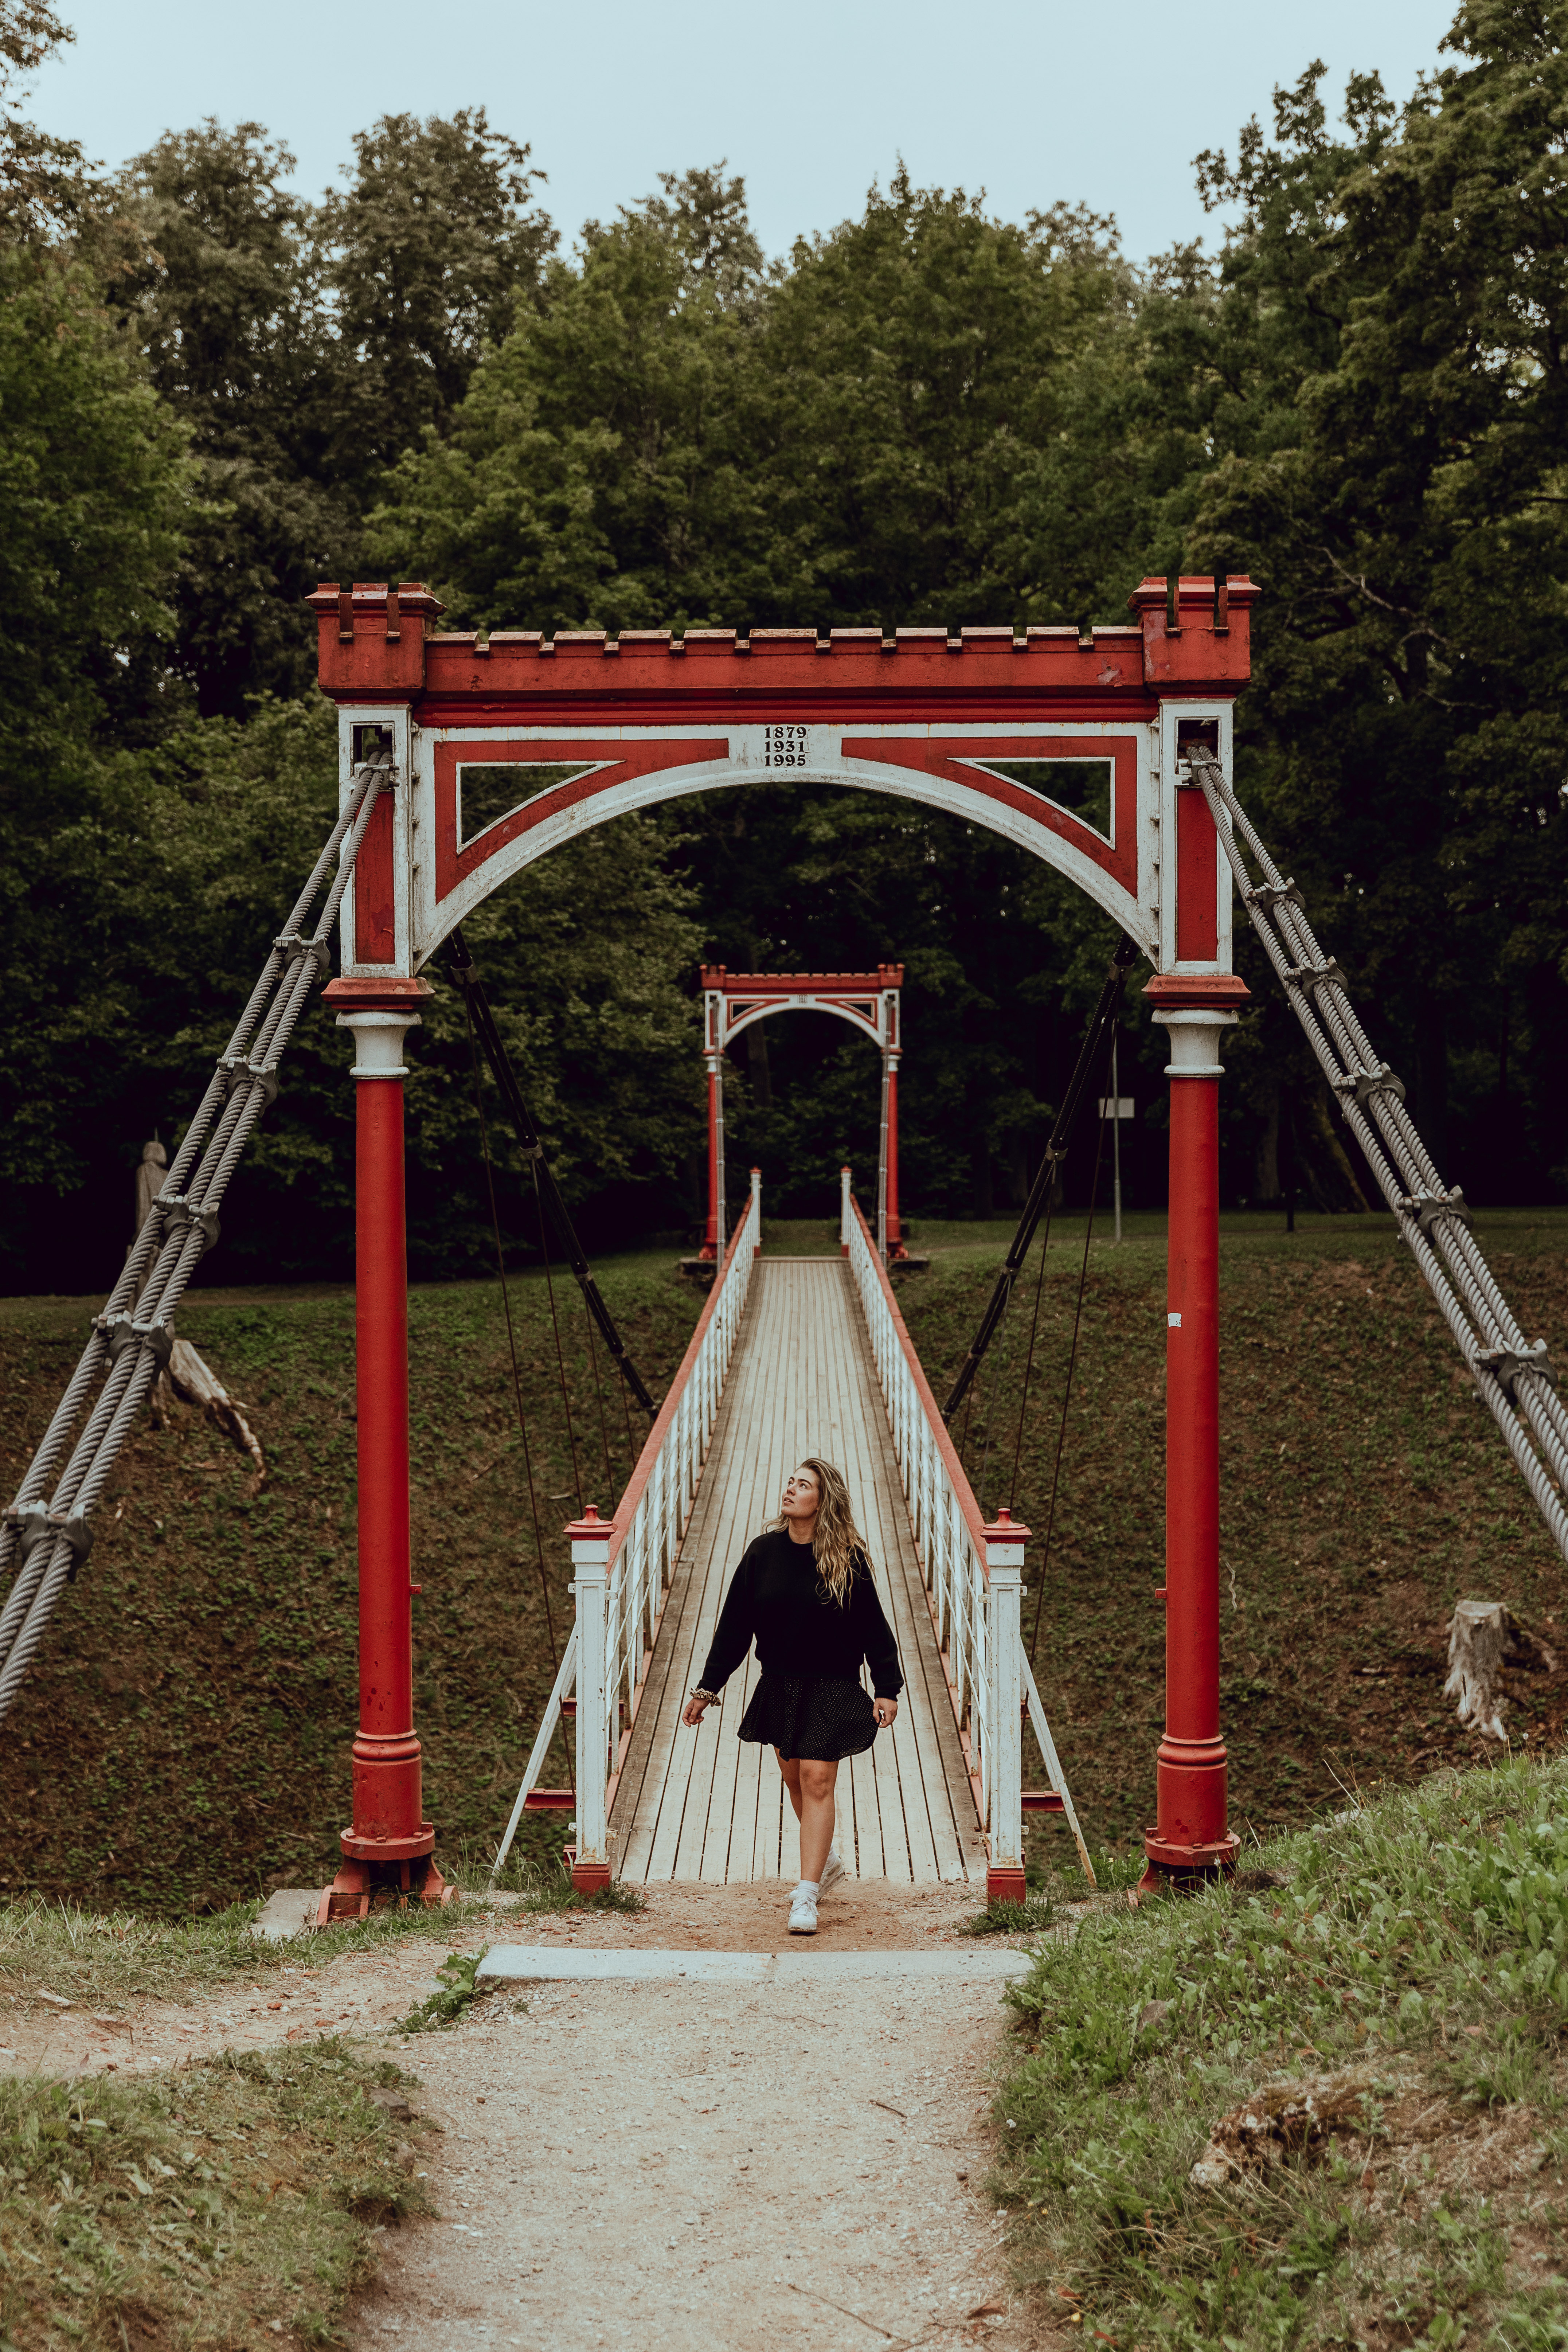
x=812 y=1716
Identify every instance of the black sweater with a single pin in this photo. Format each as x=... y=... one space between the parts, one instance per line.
x=775 y=1596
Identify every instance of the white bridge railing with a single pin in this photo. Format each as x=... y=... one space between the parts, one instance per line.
x=974 y=1577
x=622 y=1567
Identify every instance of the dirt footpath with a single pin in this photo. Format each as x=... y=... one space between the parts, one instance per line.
x=677 y=2166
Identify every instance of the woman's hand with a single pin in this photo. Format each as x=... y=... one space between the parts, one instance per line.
x=887 y=1709
x=692 y=1713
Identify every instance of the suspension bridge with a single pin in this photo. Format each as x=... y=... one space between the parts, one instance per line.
x=1106 y=753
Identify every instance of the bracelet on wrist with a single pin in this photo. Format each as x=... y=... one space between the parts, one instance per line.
x=708 y=1697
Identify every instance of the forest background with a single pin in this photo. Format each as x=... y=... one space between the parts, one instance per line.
x=213 y=393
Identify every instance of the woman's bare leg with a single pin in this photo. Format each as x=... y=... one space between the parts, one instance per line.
x=816 y=1801
x=818 y=1812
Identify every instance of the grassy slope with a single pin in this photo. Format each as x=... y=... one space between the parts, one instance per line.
x=182 y=1736
x=232 y=2204
x=1364 y=1489
x=182 y=1740
x=1405 y=1968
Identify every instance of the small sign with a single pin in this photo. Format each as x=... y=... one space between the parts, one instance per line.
x=1117 y=1106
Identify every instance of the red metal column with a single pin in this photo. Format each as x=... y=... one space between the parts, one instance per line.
x=388 y=1848
x=711 y=1238
x=896 y=1249
x=1191 y=1832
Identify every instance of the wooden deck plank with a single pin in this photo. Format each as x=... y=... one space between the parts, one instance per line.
x=703 y=1805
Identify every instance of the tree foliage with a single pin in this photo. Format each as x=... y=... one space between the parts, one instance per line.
x=215 y=390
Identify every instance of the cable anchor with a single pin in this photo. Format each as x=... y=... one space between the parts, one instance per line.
x=179 y=1211
x=1309 y=977
x=122 y=1331
x=1505 y=1365
x=1427 y=1207
x=1269 y=895
x=1363 y=1084
x=239 y=1072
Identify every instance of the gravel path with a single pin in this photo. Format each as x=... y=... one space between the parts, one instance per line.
x=687 y=2166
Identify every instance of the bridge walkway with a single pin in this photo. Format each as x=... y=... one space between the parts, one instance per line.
x=699 y=1805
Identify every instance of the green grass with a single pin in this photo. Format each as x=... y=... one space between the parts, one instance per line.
x=234 y=2204
x=1410 y=1971
x=1363 y=1490
x=118 y=1955
x=182 y=1740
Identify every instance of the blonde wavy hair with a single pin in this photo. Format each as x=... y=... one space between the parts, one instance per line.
x=836 y=1538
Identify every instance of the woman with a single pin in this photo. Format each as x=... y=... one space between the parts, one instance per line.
x=803 y=1590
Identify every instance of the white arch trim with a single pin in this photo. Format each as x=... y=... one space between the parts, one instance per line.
x=742 y=756
x=804 y=1003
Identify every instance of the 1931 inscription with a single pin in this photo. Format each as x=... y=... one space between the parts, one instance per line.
x=783 y=747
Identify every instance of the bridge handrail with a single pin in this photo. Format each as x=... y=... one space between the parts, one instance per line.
x=622 y=1569
x=949 y=1528
x=647 y=1530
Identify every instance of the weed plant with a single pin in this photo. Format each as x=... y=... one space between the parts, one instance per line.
x=1407 y=1973
x=232 y=2204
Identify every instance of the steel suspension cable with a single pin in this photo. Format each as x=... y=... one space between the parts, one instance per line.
x=1066 y=1388
x=46 y=1530
x=560 y=1354
x=1514 y=1378
x=599 y=1398
x=461 y=966
x=1100 y=1023
x=511 y=1343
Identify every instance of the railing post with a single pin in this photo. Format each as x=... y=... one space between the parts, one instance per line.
x=845 y=1211
x=1005 y=1743
x=590 y=1539
x=757 y=1212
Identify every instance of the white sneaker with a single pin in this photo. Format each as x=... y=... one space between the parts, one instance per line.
x=802 y=1913
x=832 y=1872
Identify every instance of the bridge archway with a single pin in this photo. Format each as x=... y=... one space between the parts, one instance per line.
x=871 y=1002
x=1068 y=744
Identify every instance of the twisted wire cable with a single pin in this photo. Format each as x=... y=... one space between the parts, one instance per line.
x=47 y=1530
x=1513 y=1377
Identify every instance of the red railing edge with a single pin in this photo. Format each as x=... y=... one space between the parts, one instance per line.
x=974 y=1517
x=637 y=1484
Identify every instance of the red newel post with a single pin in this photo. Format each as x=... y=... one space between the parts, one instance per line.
x=1190 y=1832
x=389 y=1846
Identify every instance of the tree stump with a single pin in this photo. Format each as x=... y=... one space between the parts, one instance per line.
x=1485 y=1636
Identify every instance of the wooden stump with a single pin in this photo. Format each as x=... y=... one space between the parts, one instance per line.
x=191 y=1377
x=1485 y=1636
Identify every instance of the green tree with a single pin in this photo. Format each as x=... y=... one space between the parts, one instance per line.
x=596 y=471
x=1381 y=369
x=95 y=485
x=227 y=300
x=428 y=252
x=45 y=184
x=936 y=377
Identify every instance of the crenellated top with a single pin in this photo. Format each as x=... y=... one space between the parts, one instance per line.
x=799 y=984
x=379 y=643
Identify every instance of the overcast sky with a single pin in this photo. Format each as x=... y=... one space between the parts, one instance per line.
x=811 y=100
